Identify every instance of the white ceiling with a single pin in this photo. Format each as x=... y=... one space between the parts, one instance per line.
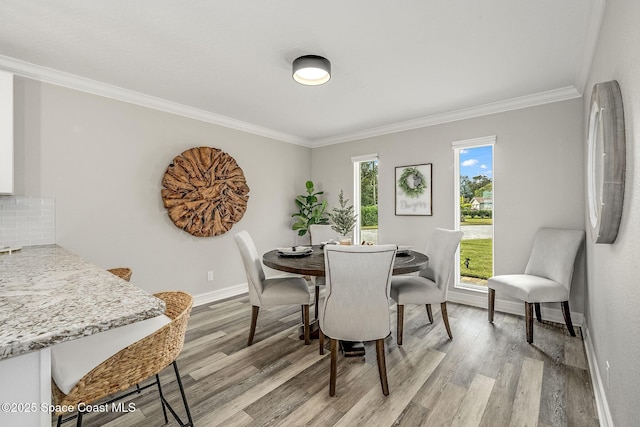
x=396 y=64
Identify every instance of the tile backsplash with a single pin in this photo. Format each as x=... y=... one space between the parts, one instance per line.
x=26 y=221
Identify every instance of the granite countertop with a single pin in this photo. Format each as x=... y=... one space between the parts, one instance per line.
x=49 y=295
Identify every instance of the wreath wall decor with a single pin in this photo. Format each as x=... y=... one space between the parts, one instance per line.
x=412 y=182
x=205 y=191
x=413 y=190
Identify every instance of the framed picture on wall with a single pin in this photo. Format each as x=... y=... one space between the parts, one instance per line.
x=413 y=190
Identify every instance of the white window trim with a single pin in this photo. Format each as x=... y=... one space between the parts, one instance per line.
x=356 y=160
x=457 y=146
x=474 y=142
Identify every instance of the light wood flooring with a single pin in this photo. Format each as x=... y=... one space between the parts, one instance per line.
x=486 y=376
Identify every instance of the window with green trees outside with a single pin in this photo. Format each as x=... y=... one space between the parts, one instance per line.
x=475 y=214
x=369 y=201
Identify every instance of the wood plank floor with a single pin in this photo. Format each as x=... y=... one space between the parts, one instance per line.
x=486 y=376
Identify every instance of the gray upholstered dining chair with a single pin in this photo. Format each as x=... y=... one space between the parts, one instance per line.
x=547 y=277
x=356 y=305
x=430 y=285
x=321 y=233
x=270 y=292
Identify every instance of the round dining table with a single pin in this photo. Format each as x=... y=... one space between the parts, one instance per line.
x=312 y=264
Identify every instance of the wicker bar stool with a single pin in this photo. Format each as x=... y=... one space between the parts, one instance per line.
x=123 y=273
x=89 y=369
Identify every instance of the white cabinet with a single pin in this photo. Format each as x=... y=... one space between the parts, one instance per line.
x=6 y=132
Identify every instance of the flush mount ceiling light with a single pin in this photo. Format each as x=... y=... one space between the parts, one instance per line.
x=311 y=70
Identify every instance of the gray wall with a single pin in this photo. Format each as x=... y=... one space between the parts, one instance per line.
x=613 y=292
x=103 y=161
x=538 y=171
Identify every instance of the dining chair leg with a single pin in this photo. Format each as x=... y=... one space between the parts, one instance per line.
x=538 y=314
x=321 y=340
x=429 y=313
x=400 y=322
x=254 y=319
x=334 y=363
x=317 y=301
x=528 y=318
x=445 y=319
x=567 y=317
x=492 y=303
x=59 y=423
x=305 y=309
x=382 y=366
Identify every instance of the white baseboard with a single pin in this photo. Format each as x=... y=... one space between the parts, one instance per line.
x=219 y=294
x=604 y=414
x=231 y=291
x=479 y=299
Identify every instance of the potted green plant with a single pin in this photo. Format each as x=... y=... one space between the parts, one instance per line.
x=311 y=210
x=344 y=219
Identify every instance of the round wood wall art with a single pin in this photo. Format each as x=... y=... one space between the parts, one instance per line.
x=205 y=191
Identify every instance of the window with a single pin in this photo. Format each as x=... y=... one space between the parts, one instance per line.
x=474 y=211
x=365 y=195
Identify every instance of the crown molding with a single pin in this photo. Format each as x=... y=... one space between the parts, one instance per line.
x=60 y=78
x=540 y=98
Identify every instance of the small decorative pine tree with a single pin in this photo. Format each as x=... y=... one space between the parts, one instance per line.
x=343 y=218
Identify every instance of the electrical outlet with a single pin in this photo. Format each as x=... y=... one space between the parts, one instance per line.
x=210 y=276
x=608 y=376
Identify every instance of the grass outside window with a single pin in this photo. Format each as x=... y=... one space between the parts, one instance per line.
x=477 y=221
x=479 y=253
